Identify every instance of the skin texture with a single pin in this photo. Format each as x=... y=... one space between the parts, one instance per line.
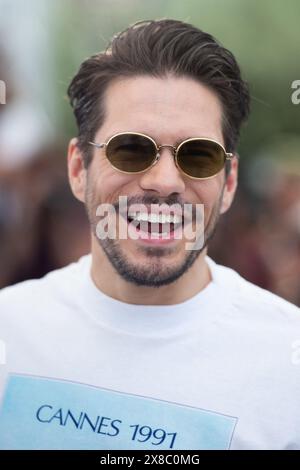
x=169 y=110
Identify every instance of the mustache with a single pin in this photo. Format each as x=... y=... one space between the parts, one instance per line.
x=150 y=199
x=147 y=200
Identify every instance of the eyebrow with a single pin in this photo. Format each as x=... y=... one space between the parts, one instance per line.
x=176 y=143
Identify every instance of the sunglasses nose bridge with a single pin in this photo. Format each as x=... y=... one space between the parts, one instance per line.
x=173 y=149
x=165 y=145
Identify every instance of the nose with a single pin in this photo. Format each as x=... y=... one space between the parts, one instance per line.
x=164 y=176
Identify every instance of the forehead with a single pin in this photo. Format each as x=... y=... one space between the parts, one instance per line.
x=165 y=108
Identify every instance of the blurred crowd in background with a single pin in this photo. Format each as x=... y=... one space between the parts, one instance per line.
x=43 y=227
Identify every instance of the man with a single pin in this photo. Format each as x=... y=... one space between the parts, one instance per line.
x=147 y=343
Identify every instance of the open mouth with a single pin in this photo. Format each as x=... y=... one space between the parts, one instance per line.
x=156 y=228
x=156 y=225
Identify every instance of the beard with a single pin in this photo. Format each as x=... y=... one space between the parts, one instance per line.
x=155 y=272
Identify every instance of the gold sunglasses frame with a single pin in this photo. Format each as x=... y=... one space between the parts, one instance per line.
x=227 y=155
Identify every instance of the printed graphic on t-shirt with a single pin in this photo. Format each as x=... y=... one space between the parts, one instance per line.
x=42 y=413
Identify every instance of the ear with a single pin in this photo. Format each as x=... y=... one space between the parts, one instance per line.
x=230 y=185
x=76 y=170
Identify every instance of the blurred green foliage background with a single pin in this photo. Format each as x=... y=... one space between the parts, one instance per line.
x=264 y=35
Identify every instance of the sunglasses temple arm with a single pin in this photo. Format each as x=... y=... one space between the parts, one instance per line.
x=230 y=156
x=99 y=146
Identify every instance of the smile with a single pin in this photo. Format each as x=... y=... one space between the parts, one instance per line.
x=155 y=224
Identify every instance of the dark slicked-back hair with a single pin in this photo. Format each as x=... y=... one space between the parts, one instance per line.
x=159 y=48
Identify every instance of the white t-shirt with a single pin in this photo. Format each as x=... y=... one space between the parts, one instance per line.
x=220 y=370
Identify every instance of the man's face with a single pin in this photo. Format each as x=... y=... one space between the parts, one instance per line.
x=169 y=110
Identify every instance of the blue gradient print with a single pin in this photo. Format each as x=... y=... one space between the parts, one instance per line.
x=42 y=413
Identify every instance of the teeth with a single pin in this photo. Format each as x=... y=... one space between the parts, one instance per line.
x=158 y=234
x=155 y=218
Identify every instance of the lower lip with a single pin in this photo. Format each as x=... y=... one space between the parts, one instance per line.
x=150 y=238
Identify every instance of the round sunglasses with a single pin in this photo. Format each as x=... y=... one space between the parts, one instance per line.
x=197 y=157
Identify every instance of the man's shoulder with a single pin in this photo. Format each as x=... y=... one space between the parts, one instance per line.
x=53 y=284
x=252 y=299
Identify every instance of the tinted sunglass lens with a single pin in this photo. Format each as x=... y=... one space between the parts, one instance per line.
x=201 y=158
x=131 y=153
